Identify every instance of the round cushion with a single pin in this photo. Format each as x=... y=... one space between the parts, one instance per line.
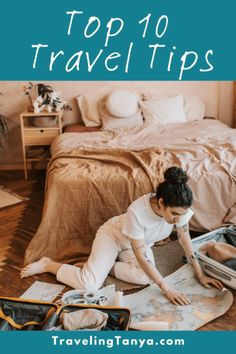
x=122 y=104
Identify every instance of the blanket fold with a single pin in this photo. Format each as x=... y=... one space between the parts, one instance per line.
x=85 y=188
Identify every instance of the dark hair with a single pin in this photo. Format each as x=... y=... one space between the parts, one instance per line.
x=174 y=190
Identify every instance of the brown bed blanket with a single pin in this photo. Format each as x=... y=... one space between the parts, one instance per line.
x=85 y=188
x=94 y=176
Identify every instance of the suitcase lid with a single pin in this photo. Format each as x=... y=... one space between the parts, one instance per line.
x=219 y=266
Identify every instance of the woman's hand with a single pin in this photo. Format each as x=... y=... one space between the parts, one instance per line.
x=208 y=281
x=176 y=297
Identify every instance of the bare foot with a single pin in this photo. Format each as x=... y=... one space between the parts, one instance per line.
x=38 y=267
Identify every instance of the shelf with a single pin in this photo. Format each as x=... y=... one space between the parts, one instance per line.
x=41 y=114
x=28 y=122
x=36 y=153
x=39 y=129
x=33 y=127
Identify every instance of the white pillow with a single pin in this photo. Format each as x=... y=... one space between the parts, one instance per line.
x=89 y=108
x=122 y=104
x=194 y=108
x=164 y=111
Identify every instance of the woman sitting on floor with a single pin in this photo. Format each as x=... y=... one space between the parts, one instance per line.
x=123 y=244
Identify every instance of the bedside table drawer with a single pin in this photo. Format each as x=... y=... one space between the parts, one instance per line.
x=40 y=136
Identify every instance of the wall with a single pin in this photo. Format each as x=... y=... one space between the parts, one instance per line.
x=217 y=96
x=226 y=102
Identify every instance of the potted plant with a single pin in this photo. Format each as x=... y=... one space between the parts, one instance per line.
x=47 y=100
x=3 y=128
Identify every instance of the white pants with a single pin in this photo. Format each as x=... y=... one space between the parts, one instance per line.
x=106 y=252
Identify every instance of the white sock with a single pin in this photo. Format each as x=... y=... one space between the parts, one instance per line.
x=38 y=267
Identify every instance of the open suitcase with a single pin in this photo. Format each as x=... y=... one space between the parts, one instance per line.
x=19 y=314
x=210 y=266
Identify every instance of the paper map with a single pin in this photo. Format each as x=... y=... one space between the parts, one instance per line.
x=206 y=304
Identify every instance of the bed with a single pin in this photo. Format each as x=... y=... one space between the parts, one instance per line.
x=94 y=176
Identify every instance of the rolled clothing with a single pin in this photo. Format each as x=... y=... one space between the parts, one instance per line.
x=231 y=263
x=88 y=319
x=231 y=238
x=219 y=251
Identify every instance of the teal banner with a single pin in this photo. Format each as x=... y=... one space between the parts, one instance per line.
x=118 y=40
x=117 y=342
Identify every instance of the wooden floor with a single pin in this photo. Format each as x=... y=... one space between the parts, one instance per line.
x=18 y=224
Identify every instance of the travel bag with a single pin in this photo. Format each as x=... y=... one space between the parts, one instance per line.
x=18 y=314
x=210 y=266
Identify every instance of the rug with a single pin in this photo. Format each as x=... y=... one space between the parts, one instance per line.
x=168 y=258
x=8 y=198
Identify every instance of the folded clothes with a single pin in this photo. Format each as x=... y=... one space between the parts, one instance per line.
x=231 y=236
x=231 y=263
x=88 y=319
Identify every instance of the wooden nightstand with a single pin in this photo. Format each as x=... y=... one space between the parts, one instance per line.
x=41 y=134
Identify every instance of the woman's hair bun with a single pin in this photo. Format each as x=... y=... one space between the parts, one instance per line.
x=175 y=175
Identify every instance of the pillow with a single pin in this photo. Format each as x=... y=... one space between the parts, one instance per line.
x=194 y=108
x=164 y=111
x=89 y=108
x=110 y=122
x=122 y=104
